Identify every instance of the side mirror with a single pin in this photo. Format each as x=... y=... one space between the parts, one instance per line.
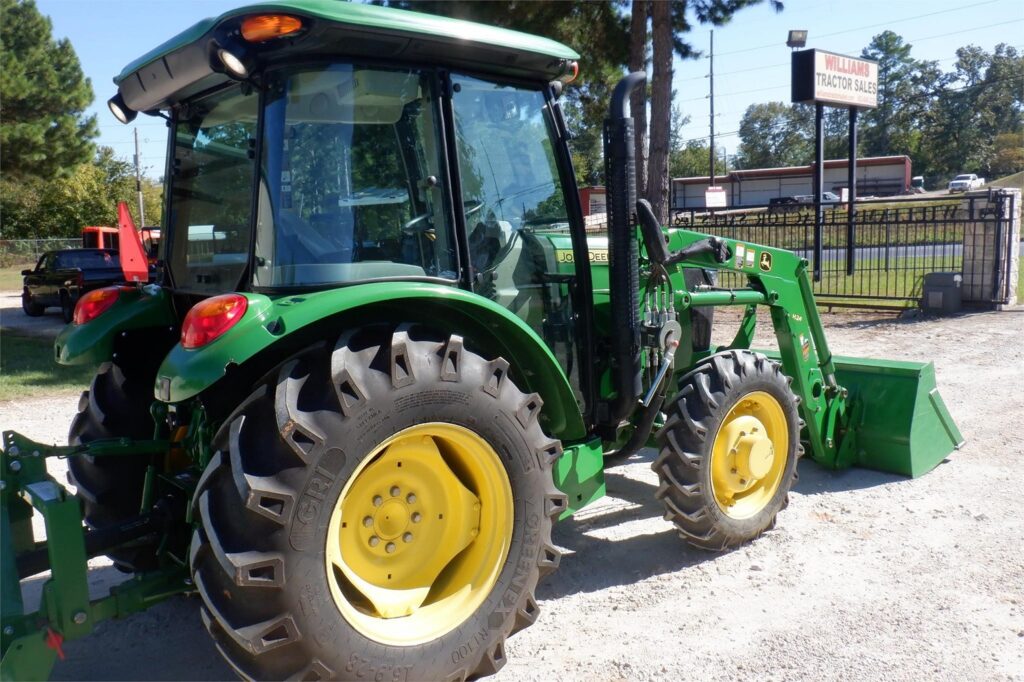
x=26 y=273
x=654 y=238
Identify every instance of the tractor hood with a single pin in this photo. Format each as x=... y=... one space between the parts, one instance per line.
x=188 y=63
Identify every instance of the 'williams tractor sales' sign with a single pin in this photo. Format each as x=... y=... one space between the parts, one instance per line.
x=821 y=77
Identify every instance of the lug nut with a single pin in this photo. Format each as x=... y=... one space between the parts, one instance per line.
x=80 y=618
x=9 y=630
x=374 y=541
x=732 y=471
x=368 y=521
x=395 y=491
x=390 y=547
x=743 y=481
x=377 y=500
x=407 y=537
x=410 y=498
x=416 y=517
x=15 y=466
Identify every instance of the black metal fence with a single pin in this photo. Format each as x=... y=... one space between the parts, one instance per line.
x=898 y=242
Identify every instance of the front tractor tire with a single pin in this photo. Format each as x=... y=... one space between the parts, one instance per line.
x=379 y=510
x=729 y=449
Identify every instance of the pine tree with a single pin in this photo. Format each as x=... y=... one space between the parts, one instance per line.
x=44 y=131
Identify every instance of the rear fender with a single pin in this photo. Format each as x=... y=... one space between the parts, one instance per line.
x=135 y=309
x=274 y=328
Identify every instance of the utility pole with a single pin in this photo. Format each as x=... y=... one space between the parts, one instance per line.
x=138 y=181
x=711 y=147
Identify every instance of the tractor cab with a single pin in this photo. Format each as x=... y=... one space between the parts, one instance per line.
x=297 y=166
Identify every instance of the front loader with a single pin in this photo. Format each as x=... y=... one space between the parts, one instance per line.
x=384 y=355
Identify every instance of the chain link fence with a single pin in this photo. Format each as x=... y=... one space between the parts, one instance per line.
x=27 y=251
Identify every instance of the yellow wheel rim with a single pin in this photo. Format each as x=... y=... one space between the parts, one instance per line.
x=748 y=458
x=420 y=534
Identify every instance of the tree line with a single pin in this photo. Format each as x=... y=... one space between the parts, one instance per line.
x=969 y=119
x=54 y=179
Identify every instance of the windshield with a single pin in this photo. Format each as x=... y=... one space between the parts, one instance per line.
x=211 y=191
x=962 y=177
x=349 y=178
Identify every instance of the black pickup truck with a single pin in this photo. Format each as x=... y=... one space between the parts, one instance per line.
x=60 y=277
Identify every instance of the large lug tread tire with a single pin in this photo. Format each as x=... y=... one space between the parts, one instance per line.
x=110 y=488
x=258 y=558
x=706 y=395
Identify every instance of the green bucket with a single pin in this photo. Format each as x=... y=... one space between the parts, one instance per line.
x=897 y=418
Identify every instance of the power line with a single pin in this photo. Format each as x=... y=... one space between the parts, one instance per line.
x=861 y=28
x=784 y=85
x=936 y=93
x=728 y=113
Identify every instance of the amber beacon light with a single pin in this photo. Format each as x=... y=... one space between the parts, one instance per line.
x=265 y=27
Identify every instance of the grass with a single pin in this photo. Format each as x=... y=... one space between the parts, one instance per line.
x=1015 y=180
x=10 y=277
x=871 y=280
x=878 y=224
x=27 y=369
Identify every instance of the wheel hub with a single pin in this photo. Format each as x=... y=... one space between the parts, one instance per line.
x=749 y=455
x=403 y=540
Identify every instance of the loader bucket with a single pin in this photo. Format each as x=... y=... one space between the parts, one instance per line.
x=897 y=417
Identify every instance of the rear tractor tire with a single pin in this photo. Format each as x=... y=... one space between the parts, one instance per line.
x=110 y=488
x=381 y=510
x=728 y=452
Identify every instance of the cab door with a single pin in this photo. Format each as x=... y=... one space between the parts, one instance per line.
x=517 y=221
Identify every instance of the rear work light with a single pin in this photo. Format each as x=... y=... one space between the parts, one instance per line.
x=209 y=319
x=265 y=27
x=95 y=303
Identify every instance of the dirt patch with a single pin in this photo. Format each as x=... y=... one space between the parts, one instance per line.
x=868 y=575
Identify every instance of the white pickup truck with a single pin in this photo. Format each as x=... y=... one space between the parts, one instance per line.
x=965 y=182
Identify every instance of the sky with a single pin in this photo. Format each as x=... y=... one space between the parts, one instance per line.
x=751 y=57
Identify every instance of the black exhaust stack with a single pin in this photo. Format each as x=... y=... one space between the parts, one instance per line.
x=624 y=278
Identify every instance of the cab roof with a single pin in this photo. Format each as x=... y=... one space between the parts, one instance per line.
x=183 y=66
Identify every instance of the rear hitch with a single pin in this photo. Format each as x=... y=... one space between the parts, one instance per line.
x=30 y=642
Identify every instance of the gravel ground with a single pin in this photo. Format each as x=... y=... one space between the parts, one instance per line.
x=867 y=576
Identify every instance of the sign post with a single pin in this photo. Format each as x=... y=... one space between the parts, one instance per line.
x=829 y=79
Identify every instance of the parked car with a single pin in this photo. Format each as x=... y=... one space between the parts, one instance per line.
x=966 y=182
x=782 y=205
x=61 y=277
x=826 y=198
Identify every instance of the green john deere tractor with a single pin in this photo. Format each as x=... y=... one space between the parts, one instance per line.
x=384 y=355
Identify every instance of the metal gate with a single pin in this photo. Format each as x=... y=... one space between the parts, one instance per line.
x=898 y=242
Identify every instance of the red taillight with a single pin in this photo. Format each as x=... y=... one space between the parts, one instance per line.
x=95 y=303
x=210 y=318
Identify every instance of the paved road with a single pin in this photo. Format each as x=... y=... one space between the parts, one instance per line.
x=13 y=318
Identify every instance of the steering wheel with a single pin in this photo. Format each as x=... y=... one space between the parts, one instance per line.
x=421 y=223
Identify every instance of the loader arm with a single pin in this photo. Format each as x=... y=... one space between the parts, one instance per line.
x=881 y=414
